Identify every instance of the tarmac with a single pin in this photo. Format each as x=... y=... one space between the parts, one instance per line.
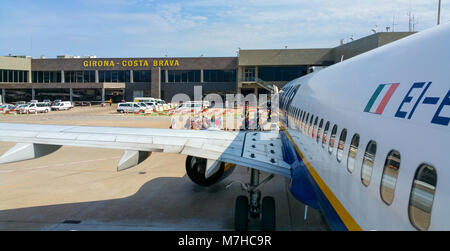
x=80 y=189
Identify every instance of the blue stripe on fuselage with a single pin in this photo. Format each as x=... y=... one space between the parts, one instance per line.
x=305 y=189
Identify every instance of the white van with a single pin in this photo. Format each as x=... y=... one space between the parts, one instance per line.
x=193 y=105
x=63 y=105
x=131 y=107
x=36 y=107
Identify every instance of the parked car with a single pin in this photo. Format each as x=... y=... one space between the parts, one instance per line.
x=18 y=107
x=36 y=107
x=147 y=105
x=6 y=107
x=189 y=106
x=64 y=105
x=152 y=105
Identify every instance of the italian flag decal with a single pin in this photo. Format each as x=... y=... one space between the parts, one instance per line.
x=380 y=98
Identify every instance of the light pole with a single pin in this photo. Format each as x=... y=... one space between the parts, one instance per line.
x=439 y=13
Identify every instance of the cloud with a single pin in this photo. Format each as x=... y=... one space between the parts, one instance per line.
x=191 y=28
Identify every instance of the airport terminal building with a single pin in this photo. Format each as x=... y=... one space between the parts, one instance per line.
x=101 y=79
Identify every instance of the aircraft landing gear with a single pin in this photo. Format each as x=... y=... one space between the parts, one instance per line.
x=251 y=206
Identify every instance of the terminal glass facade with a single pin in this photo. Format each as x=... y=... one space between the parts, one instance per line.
x=113 y=76
x=219 y=75
x=281 y=73
x=183 y=76
x=79 y=76
x=13 y=76
x=46 y=76
x=142 y=76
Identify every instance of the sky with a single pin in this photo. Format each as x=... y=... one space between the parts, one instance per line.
x=191 y=28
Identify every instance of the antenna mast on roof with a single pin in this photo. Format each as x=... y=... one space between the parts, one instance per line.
x=394 y=23
x=439 y=13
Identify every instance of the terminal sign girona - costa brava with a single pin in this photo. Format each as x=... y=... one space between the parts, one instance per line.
x=132 y=63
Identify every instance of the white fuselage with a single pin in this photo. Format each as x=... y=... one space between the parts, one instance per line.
x=412 y=119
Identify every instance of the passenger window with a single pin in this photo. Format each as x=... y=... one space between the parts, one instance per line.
x=325 y=133
x=341 y=144
x=332 y=138
x=319 y=131
x=303 y=118
x=306 y=123
x=368 y=162
x=389 y=178
x=310 y=125
x=352 y=152
x=314 y=128
x=422 y=196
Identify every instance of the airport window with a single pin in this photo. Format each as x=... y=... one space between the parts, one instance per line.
x=352 y=152
x=249 y=74
x=332 y=138
x=219 y=75
x=16 y=76
x=10 y=75
x=142 y=76
x=422 y=196
x=184 y=76
x=46 y=76
x=163 y=76
x=319 y=131
x=281 y=73
x=341 y=144
x=325 y=134
x=79 y=76
x=89 y=76
x=71 y=76
x=114 y=76
x=389 y=178
x=20 y=73
x=13 y=76
x=368 y=162
x=40 y=77
x=111 y=77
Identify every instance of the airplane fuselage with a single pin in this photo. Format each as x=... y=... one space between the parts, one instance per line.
x=370 y=136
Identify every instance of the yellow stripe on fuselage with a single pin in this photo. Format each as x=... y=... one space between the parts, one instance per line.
x=345 y=216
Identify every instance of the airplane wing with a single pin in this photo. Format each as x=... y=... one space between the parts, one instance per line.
x=258 y=150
